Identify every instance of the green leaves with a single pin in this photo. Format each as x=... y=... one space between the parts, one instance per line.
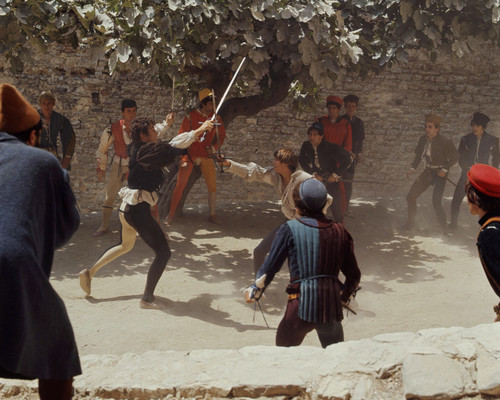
x=309 y=51
x=85 y=14
x=406 y=10
x=257 y=14
x=302 y=40
x=123 y=52
x=495 y=14
x=103 y=23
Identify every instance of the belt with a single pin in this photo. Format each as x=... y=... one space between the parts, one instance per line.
x=435 y=166
x=293 y=296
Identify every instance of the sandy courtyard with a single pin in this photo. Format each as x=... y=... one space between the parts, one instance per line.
x=408 y=283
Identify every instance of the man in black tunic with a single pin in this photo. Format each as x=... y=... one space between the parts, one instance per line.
x=327 y=162
x=483 y=196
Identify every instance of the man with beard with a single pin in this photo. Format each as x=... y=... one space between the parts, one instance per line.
x=39 y=215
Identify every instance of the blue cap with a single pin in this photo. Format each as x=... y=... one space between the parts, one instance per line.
x=313 y=194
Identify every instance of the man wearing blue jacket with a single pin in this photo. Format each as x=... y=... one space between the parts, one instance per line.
x=317 y=249
x=39 y=215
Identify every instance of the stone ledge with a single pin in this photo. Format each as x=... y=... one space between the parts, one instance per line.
x=431 y=364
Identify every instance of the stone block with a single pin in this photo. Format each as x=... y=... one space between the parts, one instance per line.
x=487 y=336
x=488 y=374
x=421 y=379
x=345 y=387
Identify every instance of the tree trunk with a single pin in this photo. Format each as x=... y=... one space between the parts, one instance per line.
x=232 y=108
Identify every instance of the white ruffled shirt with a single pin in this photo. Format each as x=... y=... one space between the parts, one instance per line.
x=255 y=173
x=135 y=196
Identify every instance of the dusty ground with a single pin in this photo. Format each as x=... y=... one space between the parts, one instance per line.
x=409 y=282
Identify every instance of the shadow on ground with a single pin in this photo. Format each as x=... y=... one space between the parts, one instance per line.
x=212 y=253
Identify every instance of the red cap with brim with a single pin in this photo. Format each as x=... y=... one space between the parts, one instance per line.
x=486 y=179
x=334 y=100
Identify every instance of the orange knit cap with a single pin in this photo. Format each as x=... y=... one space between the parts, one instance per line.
x=16 y=114
x=204 y=93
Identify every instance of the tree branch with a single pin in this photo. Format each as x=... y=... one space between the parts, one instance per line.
x=251 y=105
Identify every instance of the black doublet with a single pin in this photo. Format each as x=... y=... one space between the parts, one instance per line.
x=146 y=161
x=488 y=244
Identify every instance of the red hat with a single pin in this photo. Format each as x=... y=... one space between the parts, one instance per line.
x=334 y=100
x=485 y=179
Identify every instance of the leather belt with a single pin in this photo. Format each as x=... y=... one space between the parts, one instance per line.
x=293 y=296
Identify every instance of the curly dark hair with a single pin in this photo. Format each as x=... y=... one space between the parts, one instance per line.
x=318 y=127
x=481 y=200
x=140 y=125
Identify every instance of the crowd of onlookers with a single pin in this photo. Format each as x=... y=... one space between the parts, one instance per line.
x=315 y=187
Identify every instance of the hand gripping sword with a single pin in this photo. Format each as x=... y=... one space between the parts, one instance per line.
x=219 y=155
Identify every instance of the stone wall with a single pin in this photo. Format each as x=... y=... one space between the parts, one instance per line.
x=392 y=105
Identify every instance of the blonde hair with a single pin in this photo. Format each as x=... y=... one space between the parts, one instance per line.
x=288 y=157
x=48 y=96
x=435 y=119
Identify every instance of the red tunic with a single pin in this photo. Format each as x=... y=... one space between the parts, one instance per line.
x=199 y=148
x=339 y=132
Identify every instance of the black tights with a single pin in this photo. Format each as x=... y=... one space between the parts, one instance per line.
x=140 y=218
x=427 y=178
